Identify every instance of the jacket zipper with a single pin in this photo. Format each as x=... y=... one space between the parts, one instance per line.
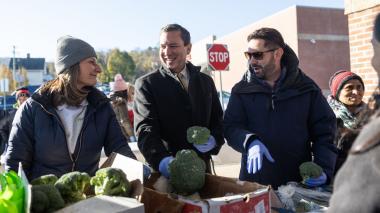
x=273 y=97
x=68 y=150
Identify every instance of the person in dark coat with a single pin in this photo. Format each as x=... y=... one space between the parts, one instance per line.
x=4 y=114
x=21 y=95
x=346 y=100
x=65 y=125
x=173 y=98
x=357 y=183
x=277 y=117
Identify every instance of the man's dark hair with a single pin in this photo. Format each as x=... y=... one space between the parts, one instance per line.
x=376 y=31
x=272 y=37
x=185 y=35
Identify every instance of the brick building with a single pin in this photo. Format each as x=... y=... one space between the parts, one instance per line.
x=319 y=37
x=361 y=15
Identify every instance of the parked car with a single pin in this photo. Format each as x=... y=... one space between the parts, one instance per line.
x=104 y=87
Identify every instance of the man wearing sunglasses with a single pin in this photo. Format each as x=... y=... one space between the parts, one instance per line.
x=277 y=116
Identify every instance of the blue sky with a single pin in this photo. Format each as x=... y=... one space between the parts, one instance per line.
x=34 y=26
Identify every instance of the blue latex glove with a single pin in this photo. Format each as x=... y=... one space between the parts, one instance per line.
x=210 y=144
x=314 y=182
x=256 y=150
x=163 y=167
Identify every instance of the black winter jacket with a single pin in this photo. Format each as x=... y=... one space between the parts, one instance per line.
x=164 y=111
x=293 y=120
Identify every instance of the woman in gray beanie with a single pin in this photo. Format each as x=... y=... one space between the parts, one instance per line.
x=66 y=123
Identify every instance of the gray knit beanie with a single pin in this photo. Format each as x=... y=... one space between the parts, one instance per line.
x=70 y=51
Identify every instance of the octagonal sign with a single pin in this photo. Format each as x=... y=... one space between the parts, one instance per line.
x=218 y=57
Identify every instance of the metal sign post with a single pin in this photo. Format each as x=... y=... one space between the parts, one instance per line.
x=218 y=59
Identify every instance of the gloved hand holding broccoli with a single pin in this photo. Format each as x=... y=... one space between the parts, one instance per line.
x=201 y=138
x=312 y=174
x=187 y=172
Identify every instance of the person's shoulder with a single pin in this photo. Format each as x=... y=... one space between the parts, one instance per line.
x=148 y=77
x=368 y=138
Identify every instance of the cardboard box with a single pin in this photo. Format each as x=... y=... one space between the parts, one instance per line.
x=222 y=194
x=102 y=203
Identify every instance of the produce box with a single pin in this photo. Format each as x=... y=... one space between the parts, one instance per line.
x=102 y=203
x=220 y=194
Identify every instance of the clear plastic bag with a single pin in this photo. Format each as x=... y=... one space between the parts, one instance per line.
x=297 y=198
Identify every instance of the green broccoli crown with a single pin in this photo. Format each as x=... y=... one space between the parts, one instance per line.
x=197 y=134
x=45 y=179
x=46 y=198
x=310 y=170
x=110 y=181
x=72 y=186
x=187 y=172
x=40 y=202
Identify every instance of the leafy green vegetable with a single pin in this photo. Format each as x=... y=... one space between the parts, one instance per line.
x=198 y=134
x=111 y=181
x=72 y=186
x=187 y=172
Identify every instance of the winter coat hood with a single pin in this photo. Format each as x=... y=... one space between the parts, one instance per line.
x=294 y=79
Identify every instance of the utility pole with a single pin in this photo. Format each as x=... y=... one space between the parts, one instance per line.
x=14 y=63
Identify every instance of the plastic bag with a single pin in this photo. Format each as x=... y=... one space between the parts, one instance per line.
x=11 y=193
x=300 y=199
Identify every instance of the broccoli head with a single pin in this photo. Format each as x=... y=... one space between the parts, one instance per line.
x=198 y=134
x=46 y=198
x=111 y=181
x=72 y=186
x=310 y=170
x=187 y=172
x=45 y=179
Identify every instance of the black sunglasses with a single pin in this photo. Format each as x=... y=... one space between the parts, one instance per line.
x=257 y=55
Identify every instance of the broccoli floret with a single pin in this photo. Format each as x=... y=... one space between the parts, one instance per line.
x=310 y=170
x=45 y=179
x=111 y=181
x=187 y=172
x=72 y=186
x=198 y=134
x=46 y=198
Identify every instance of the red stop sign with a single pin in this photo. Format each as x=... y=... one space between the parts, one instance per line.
x=218 y=56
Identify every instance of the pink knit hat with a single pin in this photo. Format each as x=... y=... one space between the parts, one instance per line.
x=119 y=84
